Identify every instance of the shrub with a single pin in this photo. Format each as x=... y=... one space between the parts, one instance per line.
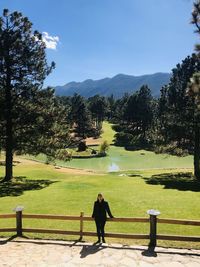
x=123 y=139
x=117 y=127
x=171 y=149
x=82 y=146
x=103 y=148
x=63 y=154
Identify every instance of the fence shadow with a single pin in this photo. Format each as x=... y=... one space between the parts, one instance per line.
x=21 y=184
x=150 y=252
x=183 y=181
x=92 y=249
x=5 y=241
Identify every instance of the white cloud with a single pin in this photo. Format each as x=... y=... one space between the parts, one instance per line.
x=50 y=41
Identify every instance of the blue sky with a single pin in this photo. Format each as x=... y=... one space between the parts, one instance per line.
x=101 y=38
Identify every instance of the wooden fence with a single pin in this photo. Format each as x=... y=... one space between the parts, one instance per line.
x=152 y=221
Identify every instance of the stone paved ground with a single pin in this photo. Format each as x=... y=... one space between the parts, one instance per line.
x=45 y=253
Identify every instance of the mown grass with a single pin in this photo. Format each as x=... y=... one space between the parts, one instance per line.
x=51 y=191
x=163 y=182
x=108 y=132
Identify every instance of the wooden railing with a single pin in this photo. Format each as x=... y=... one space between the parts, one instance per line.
x=152 y=221
x=177 y=237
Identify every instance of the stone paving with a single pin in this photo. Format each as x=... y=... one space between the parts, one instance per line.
x=44 y=253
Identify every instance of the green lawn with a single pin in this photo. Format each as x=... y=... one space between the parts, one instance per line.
x=140 y=180
x=108 y=132
x=129 y=196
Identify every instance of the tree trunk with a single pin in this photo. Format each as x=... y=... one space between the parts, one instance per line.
x=197 y=153
x=9 y=146
x=9 y=127
x=9 y=151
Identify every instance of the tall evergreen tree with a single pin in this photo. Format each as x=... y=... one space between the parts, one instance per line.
x=145 y=112
x=98 y=109
x=80 y=116
x=194 y=91
x=135 y=118
x=111 y=107
x=196 y=20
x=176 y=108
x=194 y=87
x=27 y=113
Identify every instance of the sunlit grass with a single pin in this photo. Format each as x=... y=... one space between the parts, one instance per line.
x=129 y=196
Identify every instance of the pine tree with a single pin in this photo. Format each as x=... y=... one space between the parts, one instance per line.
x=98 y=108
x=176 y=108
x=194 y=92
x=135 y=118
x=196 y=21
x=80 y=116
x=30 y=118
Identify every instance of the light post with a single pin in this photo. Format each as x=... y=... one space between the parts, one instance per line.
x=18 y=210
x=153 y=226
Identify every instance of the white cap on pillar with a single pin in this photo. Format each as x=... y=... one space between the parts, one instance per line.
x=153 y=212
x=18 y=208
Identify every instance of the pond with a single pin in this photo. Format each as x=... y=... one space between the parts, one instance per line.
x=119 y=159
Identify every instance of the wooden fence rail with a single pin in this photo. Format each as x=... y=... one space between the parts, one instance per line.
x=152 y=221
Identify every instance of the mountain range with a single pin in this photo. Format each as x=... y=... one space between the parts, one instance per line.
x=117 y=85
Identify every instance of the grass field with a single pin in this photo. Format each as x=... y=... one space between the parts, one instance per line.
x=156 y=181
x=108 y=132
x=62 y=192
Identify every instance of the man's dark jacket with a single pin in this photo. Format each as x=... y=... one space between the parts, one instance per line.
x=100 y=209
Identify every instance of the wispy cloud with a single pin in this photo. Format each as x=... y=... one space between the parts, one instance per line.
x=50 y=41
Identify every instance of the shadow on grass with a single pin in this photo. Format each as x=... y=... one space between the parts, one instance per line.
x=184 y=181
x=20 y=184
x=134 y=175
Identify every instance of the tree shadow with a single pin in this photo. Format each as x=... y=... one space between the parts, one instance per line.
x=19 y=184
x=183 y=181
x=134 y=175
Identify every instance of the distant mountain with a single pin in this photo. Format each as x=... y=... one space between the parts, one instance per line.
x=118 y=85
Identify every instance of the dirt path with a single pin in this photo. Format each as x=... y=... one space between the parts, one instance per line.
x=77 y=171
x=92 y=141
x=57 y=168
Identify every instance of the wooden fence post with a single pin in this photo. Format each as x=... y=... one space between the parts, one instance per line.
x=81 y=226
x=18 y=211
x=153 y=227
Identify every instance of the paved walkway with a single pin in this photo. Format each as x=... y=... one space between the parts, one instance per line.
x=45 y=253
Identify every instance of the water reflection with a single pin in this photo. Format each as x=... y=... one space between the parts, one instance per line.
x=113 y=167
